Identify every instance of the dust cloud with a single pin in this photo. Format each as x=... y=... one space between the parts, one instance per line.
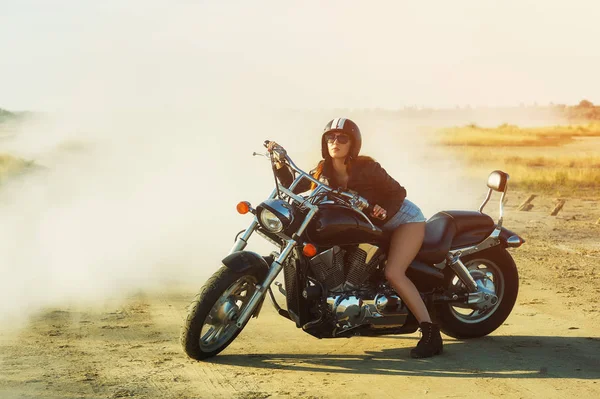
x=130 y=202
x=119 y=206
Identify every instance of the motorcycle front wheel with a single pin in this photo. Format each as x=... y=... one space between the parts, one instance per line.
x=211 y=322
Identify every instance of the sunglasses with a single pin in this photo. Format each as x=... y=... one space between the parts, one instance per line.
x=341 y=138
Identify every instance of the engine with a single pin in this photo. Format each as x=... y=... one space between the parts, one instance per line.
x=343 y=273
x=342 y=270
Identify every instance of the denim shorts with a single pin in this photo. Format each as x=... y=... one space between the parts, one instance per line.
x=408 y=213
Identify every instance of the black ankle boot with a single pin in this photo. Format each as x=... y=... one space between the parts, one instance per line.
x=430 y=343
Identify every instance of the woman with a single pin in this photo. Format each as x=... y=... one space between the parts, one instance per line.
x=342 y=167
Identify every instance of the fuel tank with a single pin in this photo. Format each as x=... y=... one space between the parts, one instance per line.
x=338 y=225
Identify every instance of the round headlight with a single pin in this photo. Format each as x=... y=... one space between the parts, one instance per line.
x=270 y=221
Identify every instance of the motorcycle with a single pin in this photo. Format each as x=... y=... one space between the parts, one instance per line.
x=333 y=260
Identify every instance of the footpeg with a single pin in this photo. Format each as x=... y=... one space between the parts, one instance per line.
x=281 y=289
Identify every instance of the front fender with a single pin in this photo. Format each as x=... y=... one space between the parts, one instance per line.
x=240 y=261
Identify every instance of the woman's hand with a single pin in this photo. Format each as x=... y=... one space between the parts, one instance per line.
x=275 y=149
x=271 y=146
x=379 y=212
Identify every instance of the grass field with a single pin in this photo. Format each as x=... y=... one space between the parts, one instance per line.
x=557 y=159
x=513 y=136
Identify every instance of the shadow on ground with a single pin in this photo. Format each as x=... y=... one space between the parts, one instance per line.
x=495 y=356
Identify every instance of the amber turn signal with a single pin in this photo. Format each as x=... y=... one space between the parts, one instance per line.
x=309 y=250
x=243 y=207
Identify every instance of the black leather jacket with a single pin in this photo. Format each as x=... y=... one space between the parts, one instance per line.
x=367 y=178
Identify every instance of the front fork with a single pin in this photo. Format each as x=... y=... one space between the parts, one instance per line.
x=274 y=269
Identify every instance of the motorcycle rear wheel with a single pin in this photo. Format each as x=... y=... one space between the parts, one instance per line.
x=211 y=322
x=496 y=268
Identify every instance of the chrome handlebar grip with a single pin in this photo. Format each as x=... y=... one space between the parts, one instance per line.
x=356 y=200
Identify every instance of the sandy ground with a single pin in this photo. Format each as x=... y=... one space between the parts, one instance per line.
x=549 y=346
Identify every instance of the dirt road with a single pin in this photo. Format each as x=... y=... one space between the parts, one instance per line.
x=549 y=347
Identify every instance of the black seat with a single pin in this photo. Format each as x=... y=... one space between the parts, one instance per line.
x=450 y=229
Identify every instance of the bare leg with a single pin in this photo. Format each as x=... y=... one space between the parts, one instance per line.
x=404 y=246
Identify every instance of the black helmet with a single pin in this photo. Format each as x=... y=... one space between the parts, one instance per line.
x=345 y=126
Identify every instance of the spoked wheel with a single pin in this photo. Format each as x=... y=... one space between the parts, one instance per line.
x=497 y=278
x=211 y=323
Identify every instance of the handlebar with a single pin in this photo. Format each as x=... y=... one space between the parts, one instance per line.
x=358 y=203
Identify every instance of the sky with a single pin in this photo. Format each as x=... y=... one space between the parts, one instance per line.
x=311 y=54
